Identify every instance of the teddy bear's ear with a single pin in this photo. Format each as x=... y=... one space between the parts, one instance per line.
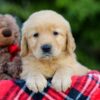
x=10 y=17
x=24 y=46
x=11 y=20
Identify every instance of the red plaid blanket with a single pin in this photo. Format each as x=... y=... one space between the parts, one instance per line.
x=85 y=87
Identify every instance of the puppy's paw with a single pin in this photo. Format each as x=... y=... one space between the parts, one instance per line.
x=36 y=83
x=61 y=82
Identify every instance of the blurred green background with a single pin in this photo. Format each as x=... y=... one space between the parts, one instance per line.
x=83 y=15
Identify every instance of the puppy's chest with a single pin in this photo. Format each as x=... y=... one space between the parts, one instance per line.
x=48 y=70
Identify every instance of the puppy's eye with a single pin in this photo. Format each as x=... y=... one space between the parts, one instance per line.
x=55 y=33
x=36 y=35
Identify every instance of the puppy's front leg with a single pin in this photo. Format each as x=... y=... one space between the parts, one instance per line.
x=62 y=79
x=36 y=82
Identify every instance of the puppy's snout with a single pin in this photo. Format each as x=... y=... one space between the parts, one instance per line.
x=46 y=48
x=7 y=33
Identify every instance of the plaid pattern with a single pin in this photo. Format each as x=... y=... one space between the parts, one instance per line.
x=85 y=87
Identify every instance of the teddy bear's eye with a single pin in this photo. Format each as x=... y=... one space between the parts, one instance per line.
x=36 y=35
x=55 y=33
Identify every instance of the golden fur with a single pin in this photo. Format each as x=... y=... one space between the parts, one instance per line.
x=61 y=64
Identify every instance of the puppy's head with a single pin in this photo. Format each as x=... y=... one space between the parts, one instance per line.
x=46 y=34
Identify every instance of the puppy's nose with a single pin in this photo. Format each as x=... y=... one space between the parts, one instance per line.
x=46 y=48
x=7 y=33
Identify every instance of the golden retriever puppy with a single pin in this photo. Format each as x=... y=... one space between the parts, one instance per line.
x=47 y=50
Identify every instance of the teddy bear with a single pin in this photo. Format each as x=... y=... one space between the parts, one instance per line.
x=10 y=60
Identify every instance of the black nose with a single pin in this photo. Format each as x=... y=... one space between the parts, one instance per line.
x=7 y=33
x=46 y=48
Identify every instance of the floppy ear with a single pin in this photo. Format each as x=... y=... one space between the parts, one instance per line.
x=24 y=46
x=70 y=43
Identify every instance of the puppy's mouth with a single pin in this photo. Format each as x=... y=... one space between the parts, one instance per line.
x=46 y=51
x=46 y=56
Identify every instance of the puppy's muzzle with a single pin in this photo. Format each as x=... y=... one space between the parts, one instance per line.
x=46 y=48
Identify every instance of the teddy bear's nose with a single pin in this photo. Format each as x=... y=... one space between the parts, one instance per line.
x=7 y=33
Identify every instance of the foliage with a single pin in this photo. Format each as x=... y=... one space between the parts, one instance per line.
x=82 y=14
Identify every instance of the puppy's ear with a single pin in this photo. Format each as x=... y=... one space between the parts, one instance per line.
x=70 y=43
x=24 y=46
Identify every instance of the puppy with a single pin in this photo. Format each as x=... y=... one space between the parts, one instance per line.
x=47 y=50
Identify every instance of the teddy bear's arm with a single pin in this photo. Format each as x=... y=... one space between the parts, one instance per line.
x=3 y=72
x=4 y=76
x=14 y=67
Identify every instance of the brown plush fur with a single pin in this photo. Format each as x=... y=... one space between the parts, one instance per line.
x=9 y=69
